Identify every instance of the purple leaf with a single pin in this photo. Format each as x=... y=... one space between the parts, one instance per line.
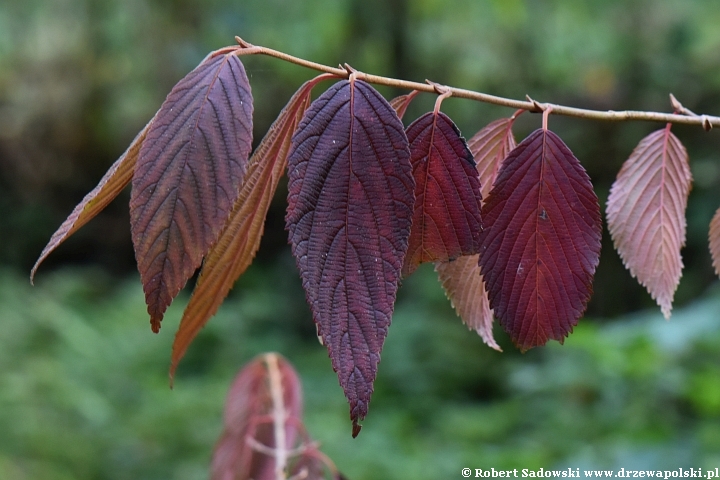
x=350 y=206
x=188 y=176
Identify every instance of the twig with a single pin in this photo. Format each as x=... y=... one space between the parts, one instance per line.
x=680 y=108
x=705 y=121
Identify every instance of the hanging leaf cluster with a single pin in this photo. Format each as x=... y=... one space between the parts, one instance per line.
x=513 y=230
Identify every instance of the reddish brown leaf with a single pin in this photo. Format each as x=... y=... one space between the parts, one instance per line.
x=262 y=421
x=264 y=437
x=541 y=242
x=464 y=287
x=239 y=241
x=188 y=176
x=446 y=219
x=110 y=186
x=350 y=205
x=646 y=213
x=490 y=146
x=401 y=103
x=714 y=240
x=461 y=279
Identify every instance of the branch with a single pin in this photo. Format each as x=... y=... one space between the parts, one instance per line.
x=686 y=118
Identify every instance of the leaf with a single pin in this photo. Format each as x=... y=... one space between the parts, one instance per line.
x=239 y=241
x=490 y=146
x=464 y=286
x=402 y=102
x=461 y=279
x=541 y=242
x=261 y=421
x=446 y=219
x=264 y=437
x=714 y=240
x=646 y=213
x=350 y=205
x=111 y=184
x=188 y=176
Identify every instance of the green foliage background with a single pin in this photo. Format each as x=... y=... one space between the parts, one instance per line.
x=84 y=389
x=83 y=383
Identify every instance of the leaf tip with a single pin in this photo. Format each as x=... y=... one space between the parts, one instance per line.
x=155 y=323
x=171 y=373
x=356 y=427
x=35 y=267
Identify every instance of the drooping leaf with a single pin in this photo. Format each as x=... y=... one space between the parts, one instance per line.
x=401 y=103
x=646 y=213
x=541 y=242
x=461 y=279
x=714 y=240
x=446 y=218
x=350 y=201
x=262 y=419
x=188 y=175
x=239 y=241
x=110 y=186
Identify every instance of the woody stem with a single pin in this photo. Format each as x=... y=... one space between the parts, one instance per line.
x=706 y=121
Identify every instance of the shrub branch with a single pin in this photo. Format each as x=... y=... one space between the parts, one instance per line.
x=685 y=116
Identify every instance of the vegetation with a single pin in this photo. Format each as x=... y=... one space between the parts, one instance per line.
x=560 y=53
x=639 y=392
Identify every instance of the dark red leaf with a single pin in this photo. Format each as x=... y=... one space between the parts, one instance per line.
x=350 y=205
x=239 y=241
x=188 y=176
x=109 y=187
x=541 y=242
x=446 y=220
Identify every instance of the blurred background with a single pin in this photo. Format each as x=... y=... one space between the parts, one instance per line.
x=83 y=383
